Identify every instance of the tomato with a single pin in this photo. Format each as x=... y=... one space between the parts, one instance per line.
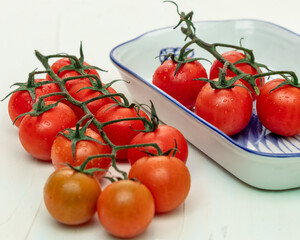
x=62 y=62
x=61 y=152
x=164 y=136
x=37 y=133
x=182 y=87
x=87 y=94
x=125 y=208
x=120 y=133
x=232 y=57
x=69 y=84
x=279 y=110
x=229 y=110
x=21 y=102
x=167 y=178
x=70 y=196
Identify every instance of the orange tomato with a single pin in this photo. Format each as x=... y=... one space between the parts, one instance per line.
x=71 y=196
x=125 y=208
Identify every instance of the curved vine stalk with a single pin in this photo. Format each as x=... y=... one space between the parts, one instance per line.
x=190 y=32
x=83 y=105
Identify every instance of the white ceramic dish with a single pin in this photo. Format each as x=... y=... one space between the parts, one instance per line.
x=255 y=156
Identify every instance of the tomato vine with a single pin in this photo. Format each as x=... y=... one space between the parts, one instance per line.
x=77 y=64
x=190 y=32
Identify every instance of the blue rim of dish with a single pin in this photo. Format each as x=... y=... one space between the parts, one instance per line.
x=115 y=61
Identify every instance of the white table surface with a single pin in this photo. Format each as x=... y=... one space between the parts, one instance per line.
x=218 y=207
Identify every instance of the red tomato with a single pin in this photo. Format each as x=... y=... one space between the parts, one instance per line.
x=37 y=133
x=229 y=110
x=21 y=102
x=167 y=178
x=87 y=94
x=182 y=87
x=164 y=136
x=56 y=66
x=70 y=196
x=62 y=62
x=120 y=133
x=279 y=110
x=69 y=84
x=232 y=57
x=61 y=152
x=125 y=208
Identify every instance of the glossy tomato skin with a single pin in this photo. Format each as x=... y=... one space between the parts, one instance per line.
x=87 y=94
x=167 y=178
x=120 y=133
x=61 y=152
x=182 y=87
x=70 y=196
x=125 y=208
x=234 y=56
x=279 y=110
x=69 y=84
x=62 y=62
x=37 y=133
x=164 y=136
x=229 y=110
x=21 y=102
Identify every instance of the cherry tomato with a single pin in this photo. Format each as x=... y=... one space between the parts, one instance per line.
x=62 y=62
x=70 y=196
x=164 y=136
x=61 y=152
x=87 y=94
x=21 y=102
x=125 y=208
x=229 y=110
x=37 y=133
x=234 y=56
x=279 y=110
x=182 y=87
x=69 y=84
x=120 y=133
x=167 y=178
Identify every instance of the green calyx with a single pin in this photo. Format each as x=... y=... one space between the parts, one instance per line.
x=182 y=57
x=160 y=153
x=150 y=126
x=222 y=82
x=40 y=107
x=29 y=86
x=78 y=134
x=78 y=64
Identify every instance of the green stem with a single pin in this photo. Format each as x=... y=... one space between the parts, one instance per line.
x=159 y=151
x=211 y=48
x=249 y=51
x=83 y=105
x=291 y=73
x=183 y=49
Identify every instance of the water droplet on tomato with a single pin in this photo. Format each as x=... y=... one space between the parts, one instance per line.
x=46 y=123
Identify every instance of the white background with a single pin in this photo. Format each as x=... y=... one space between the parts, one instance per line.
x=219 y=206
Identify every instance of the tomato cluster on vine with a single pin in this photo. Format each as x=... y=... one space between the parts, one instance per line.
x=235 y=88
x=84 y=127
